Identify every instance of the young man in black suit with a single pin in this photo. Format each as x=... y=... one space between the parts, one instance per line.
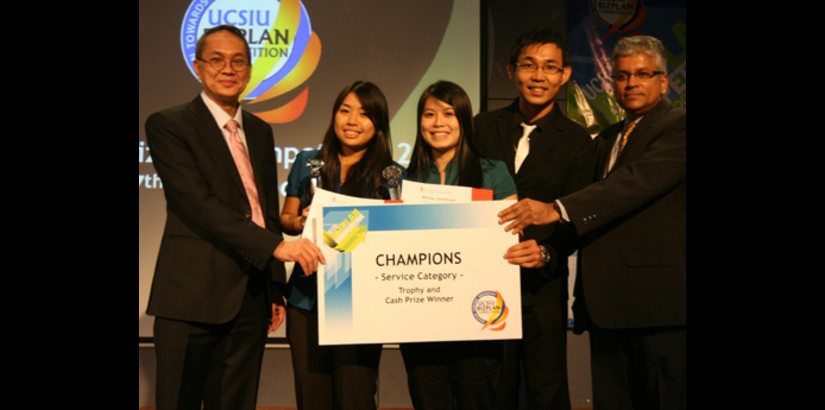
x=549 y=156
x=219 y=273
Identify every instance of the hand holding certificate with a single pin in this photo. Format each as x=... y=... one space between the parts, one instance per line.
x=527 y=212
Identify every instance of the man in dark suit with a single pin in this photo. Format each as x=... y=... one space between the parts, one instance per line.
x=219 y=274
x=548 y=156
x=630 y=292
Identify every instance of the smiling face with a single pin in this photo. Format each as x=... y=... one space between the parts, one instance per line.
x=634 y=95
x=353 y=127
x=223 y=86
x=440 y=127
x=538 y=89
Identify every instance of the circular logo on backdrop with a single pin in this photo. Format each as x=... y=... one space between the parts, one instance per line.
x=618 y=15
x=284 y=49
x=490 y=310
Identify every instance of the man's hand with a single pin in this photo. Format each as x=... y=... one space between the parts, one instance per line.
x=525 y=213
x=302 y=251
x=525 y=254
x=278 y=315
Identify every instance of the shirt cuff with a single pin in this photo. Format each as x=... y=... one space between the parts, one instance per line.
x=562 y=211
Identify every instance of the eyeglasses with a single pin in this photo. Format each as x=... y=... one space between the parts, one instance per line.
x=218 y=63
x=532 y=68
x=641 y=75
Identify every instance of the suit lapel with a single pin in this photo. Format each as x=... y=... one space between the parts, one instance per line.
x=257 y=153
x=606 y=140
x=638 y=138
x=542 y=143
x=504 y=130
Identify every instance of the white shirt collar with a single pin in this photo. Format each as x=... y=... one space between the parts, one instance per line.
x=220 y=116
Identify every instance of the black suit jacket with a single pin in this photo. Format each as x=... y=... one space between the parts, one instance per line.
x=561 y=161
x=632 y=256
x=210 y=245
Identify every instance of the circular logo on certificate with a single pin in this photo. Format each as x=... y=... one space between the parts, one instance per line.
x=490 y=310
x=284 y=49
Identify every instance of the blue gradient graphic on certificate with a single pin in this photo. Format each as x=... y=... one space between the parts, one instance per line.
x=409 y=217
x=338 y=290
x=343 y=231
x=399 y=273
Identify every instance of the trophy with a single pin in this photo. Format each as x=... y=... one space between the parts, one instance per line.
x=314 y=166
x=392 y=174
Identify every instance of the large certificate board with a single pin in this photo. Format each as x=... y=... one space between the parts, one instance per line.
x=416 y=273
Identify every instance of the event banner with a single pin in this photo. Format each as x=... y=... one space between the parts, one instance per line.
x=416 y=273
x=594 y=27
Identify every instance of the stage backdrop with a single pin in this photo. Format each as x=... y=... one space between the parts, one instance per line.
x=594 y=26
x=303 y=54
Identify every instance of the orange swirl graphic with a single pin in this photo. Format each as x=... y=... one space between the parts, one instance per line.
x=288 y=18
x=634 y=24
x=498 y=316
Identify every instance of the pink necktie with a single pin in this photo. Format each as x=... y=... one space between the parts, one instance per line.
x=245 y=169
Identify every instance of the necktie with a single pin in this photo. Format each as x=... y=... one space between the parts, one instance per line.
x=627 y=132
x=619 y=147
x=523 y=147
x=241 y=158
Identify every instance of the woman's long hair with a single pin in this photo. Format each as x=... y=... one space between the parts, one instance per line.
x=363 y=178
x=469 y=166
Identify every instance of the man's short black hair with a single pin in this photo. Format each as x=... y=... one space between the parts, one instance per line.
x=539 y=36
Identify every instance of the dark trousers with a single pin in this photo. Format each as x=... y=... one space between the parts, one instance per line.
x=217 y=365
x=330 y=377
x=452 y=375
x=638 y=369
x=542 y=355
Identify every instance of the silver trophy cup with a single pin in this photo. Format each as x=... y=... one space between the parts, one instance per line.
x=392 y=174
x=314 y=166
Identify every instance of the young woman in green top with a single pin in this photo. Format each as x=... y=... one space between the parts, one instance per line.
x=459 y=375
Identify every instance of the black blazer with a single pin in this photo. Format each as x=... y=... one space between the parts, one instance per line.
x=561 y=161
x=632 y=256
x=210 y=244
